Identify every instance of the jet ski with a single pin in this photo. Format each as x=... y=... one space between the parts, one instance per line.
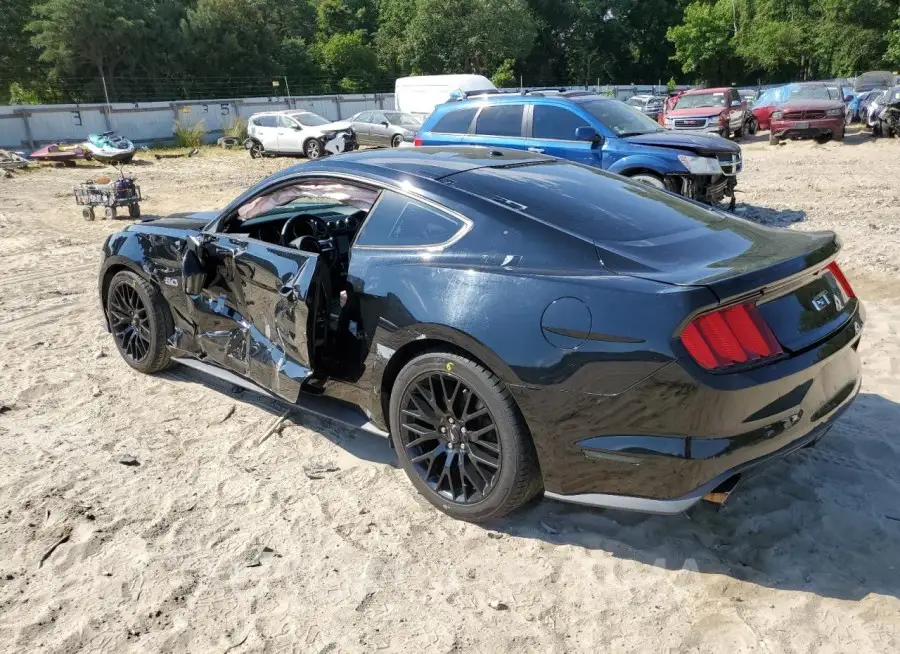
x=109 y=147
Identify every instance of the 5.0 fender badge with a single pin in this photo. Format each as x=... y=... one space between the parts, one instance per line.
x=171 y=281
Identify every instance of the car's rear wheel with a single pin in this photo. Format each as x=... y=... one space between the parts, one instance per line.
x=139 y=319
x=312 y=149
x=650 y=180
x=461 y=438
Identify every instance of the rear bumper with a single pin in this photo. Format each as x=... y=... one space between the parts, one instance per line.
x=812 y=129
x=664 y=443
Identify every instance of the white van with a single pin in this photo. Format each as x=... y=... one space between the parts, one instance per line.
x=421 y=94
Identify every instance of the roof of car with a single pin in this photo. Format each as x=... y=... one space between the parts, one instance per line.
x=514 y=98
x=719 y=89
x=431 y=163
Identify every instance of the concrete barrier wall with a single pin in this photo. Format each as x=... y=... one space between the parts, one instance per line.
x=30 y=127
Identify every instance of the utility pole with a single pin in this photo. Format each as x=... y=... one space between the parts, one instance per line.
x=288 y=89
x=105 y=92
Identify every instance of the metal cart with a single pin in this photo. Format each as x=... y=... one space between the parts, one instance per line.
x=122 y=192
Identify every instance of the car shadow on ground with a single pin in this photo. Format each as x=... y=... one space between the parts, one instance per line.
x=822 y=520
x=769 y=217
x=347 y=434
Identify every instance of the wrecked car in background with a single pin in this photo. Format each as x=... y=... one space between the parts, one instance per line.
x=298 y=133
x=810 y=111
x=719 y=111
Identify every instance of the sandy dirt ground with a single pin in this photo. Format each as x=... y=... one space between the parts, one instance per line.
x=217 y=542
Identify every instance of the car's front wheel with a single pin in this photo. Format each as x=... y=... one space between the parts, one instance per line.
x=396 y=141
x=138 y=319
x=461 y=438
x=312 y=149
x=650 y=180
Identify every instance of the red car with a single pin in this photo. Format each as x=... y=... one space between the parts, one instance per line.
x=809 y=111
x=718 y=111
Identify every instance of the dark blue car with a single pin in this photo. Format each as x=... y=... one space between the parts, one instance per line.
x=593 y=130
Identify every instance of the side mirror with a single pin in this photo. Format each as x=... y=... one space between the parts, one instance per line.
x=192 y=273
x=848 y=98
x=385 y=123
x=297 y=127
x=586 y=133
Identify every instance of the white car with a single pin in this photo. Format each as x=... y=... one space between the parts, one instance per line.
x=298 y=133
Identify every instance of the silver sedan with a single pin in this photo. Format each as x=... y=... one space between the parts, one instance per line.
x=385 y=128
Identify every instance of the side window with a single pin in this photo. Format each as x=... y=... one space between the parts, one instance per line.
x=266 y=121
x=500 y=120
x=398 y=221
x=555 y=123
x=455 y=122
x=365 y=117
x=378 y=117
x=285 y=122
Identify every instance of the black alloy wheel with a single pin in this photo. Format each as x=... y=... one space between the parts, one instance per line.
x=451 y=437
x=129 y=322
x=460 y=437
x=139 y=320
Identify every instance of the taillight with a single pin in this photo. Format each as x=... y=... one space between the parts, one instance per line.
x=841 y=279
x=417 y=141
x=731 y=336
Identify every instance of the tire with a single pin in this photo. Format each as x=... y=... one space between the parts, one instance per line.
x=839 y=136
x=650 y=180
x=752 y=126
x=109 y=213
x=886 y=130
x=726 y=133
x=738 y=133
x=134 y=210
x=312 y=149
x=147 y=351
x=773 y=140
x=256 y=150
x=88 y=213
x=821 y=140
x=506 y=486
x=396 y=141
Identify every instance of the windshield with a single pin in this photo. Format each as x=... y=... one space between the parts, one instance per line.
x=621 y=119
x=697 y=100
x=399 y=118
x=810 y=93
x=310 y=119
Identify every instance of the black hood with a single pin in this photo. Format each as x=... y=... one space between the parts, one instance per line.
x=705 y=144
x=186 y=220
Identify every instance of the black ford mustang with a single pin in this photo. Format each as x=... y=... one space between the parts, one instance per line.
x=517 y=323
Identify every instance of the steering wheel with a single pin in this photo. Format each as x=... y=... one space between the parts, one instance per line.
x=316 y=224
x=306 y=243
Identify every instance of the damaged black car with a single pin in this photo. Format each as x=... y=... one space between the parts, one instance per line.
x=516 y=323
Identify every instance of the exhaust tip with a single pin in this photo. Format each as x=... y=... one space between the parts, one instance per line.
x=720 y=493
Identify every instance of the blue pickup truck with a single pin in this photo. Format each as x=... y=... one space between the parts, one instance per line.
x=593 y=130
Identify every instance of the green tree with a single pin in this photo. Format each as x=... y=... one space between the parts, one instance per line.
x=99 y=34
x=349 y=61
x=471 y=36
x=704 y=41
x=18 y=58
x=892 y=56
x=346 y=16
x=505 y=75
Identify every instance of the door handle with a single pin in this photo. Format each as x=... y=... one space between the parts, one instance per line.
x=537 y=150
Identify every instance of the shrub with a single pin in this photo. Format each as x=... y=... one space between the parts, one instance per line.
x=237 y=129
x=189 y=136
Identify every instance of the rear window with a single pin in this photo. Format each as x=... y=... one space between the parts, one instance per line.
x=455 y=122
x=586 y=201
x=500 y=120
